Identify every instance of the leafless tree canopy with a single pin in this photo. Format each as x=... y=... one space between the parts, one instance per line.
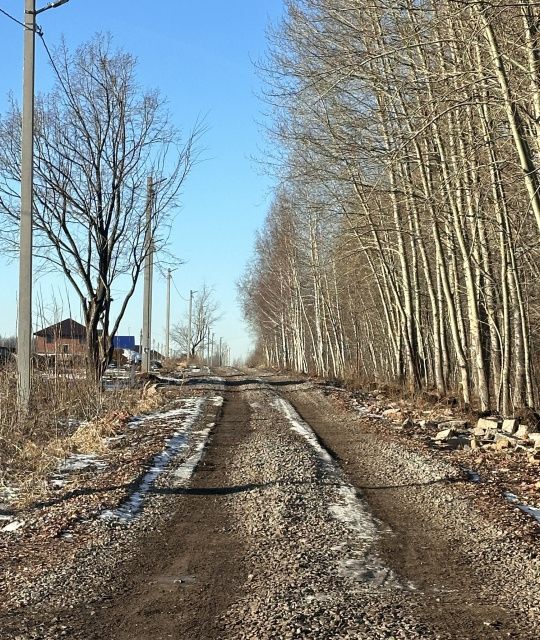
x=98 y=135
x=204 y=314
x=402 y=244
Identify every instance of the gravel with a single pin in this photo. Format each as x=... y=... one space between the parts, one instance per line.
x=310 y=545
x=92 y=559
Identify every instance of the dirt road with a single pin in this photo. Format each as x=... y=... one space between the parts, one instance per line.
x=301 y=521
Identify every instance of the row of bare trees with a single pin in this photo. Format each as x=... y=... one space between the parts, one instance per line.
x=98 y=136
x=402 y=243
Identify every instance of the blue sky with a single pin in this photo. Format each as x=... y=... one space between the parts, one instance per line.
x=200 y=55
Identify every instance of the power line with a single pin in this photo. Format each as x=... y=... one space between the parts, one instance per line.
x=53 y=63
x=13 y=18
x=39 y=32
x=178 y=292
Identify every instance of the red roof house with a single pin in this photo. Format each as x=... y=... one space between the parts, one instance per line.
x=65 y=337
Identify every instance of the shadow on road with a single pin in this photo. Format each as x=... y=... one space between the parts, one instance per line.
x=209 y=491
x=243 y=382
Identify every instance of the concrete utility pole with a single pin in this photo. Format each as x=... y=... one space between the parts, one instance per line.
x=148 y=273
x=168 y=313
x=24 y=329
x=24 y=325
x=189 y=325
x=220 y=351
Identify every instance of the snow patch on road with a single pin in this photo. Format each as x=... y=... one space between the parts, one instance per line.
x=188 y=415
x=302 y=428
x=184 y=472
x=350 y=510
x=353 y=513
x=362 y=565
x=373 y=572
x=531 y=511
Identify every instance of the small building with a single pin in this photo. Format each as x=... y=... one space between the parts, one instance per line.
x=66 y=338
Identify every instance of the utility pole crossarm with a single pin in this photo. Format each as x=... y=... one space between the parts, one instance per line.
x=51 y=5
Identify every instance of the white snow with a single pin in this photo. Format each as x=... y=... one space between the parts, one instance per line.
x=302 y=428
x=189 y=404
x=352 y=512
x=372 y=572
x=177 y=442
x=184 y=471
x=13 y=526
x=364 y=566
x=531 y=511
x=80 y=461
x=75 y=462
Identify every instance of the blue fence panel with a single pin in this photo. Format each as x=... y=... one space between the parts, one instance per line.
x=124 y=342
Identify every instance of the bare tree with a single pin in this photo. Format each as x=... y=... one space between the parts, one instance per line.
x=98 y=136
x=10 y=342
x=405 y=249
x=204 y=314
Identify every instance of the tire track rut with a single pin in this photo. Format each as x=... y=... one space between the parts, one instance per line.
x=188 y=572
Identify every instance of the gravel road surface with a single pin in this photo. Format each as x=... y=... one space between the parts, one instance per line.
x=300 y=521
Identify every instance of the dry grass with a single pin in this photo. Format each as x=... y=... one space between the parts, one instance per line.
x=68 y=415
